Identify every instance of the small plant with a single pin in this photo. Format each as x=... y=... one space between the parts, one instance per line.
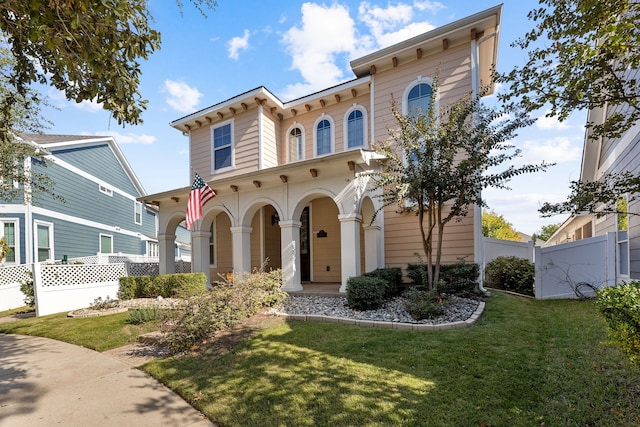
x=512 y=274
x=142 y=315
x=103 y=304
x=422 y=304
x=365 y=293
x=620 y=306
x=26 y=287
x=392 y=277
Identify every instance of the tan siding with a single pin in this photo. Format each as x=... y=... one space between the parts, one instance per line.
x=269 y=143
x=326 y=250
x=223 y=247
x=200 y=143
x=403 y=240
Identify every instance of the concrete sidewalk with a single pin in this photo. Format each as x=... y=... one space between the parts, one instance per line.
x=46 y=382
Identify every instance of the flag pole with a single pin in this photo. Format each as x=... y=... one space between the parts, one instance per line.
x=215 y=198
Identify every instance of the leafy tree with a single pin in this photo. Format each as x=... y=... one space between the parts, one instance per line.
x=4 y=249
x=438 y=163
x=581 y=55
x=90 y=50
x=494 y=225
x=546 y=231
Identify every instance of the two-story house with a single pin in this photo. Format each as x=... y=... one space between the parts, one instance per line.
x=289 y=175
x=99 y=211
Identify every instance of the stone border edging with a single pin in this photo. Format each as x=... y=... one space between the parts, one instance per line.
x=388 y=325
x=97 y=313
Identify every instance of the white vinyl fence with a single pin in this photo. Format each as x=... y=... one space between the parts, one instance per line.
x=67 y=287
x=562 y=270
x=494 y=248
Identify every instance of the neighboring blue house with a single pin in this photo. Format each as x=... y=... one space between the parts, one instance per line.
x=100 y=213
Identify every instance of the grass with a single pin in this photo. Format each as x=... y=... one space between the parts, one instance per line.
x=526 y=363
x=97 y=333
x=14 y=311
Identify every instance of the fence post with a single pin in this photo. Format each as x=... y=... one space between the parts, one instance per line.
x=538 y=279
x=611 y=273
x=36 y=276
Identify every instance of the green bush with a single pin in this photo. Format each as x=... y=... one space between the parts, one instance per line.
x=142 y=315
x=226 y=304
x=392 y=277
x=165 y=285
x=422 y=304
x=459 y=279
x=365 y=293
x=26 y=287
x=620 y=306
x=512 y=274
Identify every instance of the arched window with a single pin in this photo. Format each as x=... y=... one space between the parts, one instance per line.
x=419 y=99
x=296 y=144
x=323 y=137
x=355 y=128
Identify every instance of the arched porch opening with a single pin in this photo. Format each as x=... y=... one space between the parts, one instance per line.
x=167 y=243
x=215 y=245
x=371 y=236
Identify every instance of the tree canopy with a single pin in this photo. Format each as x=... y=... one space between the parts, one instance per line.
x=545 y=232
x=581 y=55
x=439 y=162
x=497 y=227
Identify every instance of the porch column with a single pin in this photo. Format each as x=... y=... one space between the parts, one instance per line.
x=290 y=252
x=167 y=253
x=350 y=247
x=372 y=247
x=200 y=253
x=241 y=238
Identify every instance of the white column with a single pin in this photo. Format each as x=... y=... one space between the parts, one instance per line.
x=290 y=252
x=167 y=253
x=241 y=249
x=200 y=253
x=372 y=248
x=350 y=247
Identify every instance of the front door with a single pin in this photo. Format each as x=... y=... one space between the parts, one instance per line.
x=305 y=252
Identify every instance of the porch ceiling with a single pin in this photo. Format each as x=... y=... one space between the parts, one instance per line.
x=321 y=169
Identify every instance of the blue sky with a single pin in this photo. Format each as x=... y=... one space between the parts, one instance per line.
x=295 y=48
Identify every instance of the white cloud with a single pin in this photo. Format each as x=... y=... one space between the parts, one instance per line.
x=238 y=43
x=91 y=106
x=431 y=6
x=314 y=46
x=550 y=123
x=560 y=149
x=181 y=97
x=392 y=24
x=128 y=137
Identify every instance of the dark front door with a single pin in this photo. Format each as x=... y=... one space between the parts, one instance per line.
x=305 y=252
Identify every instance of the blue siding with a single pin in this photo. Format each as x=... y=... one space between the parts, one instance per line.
x=101 y=162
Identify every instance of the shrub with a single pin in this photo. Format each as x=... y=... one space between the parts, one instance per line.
x=512 y=274
x=226 y=304
x=26 y=287
x=459 y=279
x=142 y=315
x=620 y=306
x=165 y=285
x=103 y=304
x=422 y=304
x=365 y=293
x=392 y=277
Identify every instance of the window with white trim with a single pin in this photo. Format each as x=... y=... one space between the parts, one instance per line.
x=105 y=190
x=9 y=232
x=418 y=99
x=137 y=212
x=106 y=243
x=355 y=127
x=323 y=135
x=153 y=249
x=44 y=241
x=222 y=146
x=296 y=143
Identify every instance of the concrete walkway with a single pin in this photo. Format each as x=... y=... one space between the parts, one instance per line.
x=45 y=382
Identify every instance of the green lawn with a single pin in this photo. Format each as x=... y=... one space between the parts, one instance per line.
x=97 y=333
x=526 y=363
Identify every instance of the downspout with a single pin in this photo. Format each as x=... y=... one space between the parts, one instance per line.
x=478 y=245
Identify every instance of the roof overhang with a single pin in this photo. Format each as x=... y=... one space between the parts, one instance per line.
x=303 y=171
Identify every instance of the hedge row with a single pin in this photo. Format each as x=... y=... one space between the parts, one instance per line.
x=455 y=279
x=164 y=285
x=512 y=274
x=620 y=306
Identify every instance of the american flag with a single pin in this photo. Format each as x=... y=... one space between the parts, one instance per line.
x=200 y=194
